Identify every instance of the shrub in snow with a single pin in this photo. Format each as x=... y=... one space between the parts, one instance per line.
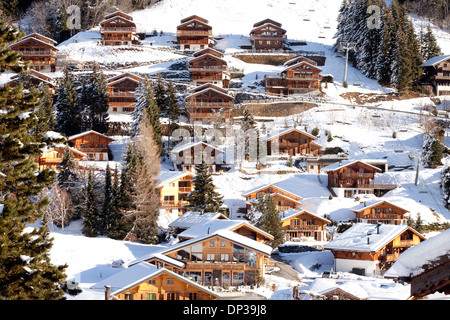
x=431 y=151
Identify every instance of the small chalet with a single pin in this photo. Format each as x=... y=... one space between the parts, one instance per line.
x=380 y=212
x=39 y=51
x=371 y=249
x=333 y=289
x=284 y=199
x=209 y=67
x=118 y=29
x=145 y=281
x=301 y=224
x=314 y=164
x=194 y=33
x=174 y=186
x=267 y=35
x=219 y=258
x=194 y=218
x=209 y=103
x=121 y=92
x=299 y=59
x=297 y=78
x=350 y=178
x=293 y=142
x=186 y=156
x=426 y=267
x=92 y=143
x=36 y=79
x=437 y=75
x=52 y=157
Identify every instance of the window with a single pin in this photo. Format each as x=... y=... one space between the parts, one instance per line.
x=170 y=296
x=192 y=296
x=128 y=296
x=250 y=258
x=151 y=281
x=210 y=257
x=222 y=243
x=226 y=277
x=224 y=257
x=169 y=281
x=211 y=243
x=151 y=296
x=238 y=278
x=183 y=254
x=208 y=277
x=196 y=252
x=238 y=253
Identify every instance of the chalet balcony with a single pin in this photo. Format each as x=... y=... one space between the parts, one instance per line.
x=195 y=33
x=118 y=29
x=209 y=104
x=184 y=189
x=205 y=115
x=117 y=39
x=267 y=36
x=217 y=265
x=93 y=150
x=122 y=94
x=440 y=76
x=390 y=257
x=207 y=68
x=284 y=208
x=173 y=203
x=382 y=216
x=405 y=243
x=376 y=186
x=38 y=53
x=188 y=41
x=355 y=175
x=304 y=227
x=210 y=78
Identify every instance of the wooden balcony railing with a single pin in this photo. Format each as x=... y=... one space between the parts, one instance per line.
x=184 y=189
x=268 y=36
x=173 y=203
x=377 y=186
x=382 y=216
x=188 y=41
x=194 y=33
x=222 y=265
x=207 y=68
x=38 y=53
x=209 y=104
x=304 y=227
x=118 y=29
x=406 y=243
x=93 y=150
x=356 y=175
x=284 y=208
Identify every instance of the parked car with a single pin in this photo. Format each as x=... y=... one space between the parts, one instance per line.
x=330 y=274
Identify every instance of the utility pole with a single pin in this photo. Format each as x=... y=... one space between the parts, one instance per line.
x=345 y=45
x=417 y=171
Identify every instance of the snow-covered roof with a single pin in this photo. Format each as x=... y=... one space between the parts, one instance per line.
x=166 y=177
x=431 y=62
x=88 y=132
x=287 y=130
x=35 y=34
x=287 y=214
x=192 y=218
x=117 y=17
x=298 y=58
x=267 y=24
x=125 y=75
x=201 y=22
x=188 y=145
x=355 y=238
x=199 y=53
x=35 y=39
x=301 y=63
x=138 y=273
x=342 y=164
x=209 y=89
x=426 y=254
x=207 y=54
x=290 y=185
x=208 y=85
x=323 y=285
x=115 y=13
x=372 y=203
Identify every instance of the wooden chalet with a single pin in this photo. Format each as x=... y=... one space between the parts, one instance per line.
x=284 y=199
x=92 y=143
x=293 y=142
x=350 y=178
x=436 y=75
x=186 y=156
x=52 y=157
x=194 y=218
x=194 y=33
x=380 y=212
x=118 y=29
x=267 y=35
x=297 y=78
x=36 y=79
x=426 y=267
x=209 y=67
x=371 y=249
x=39 y=51
x=299 y=59
x=121 y=91
x=208 y=103
x=219 y=258
x=145 y=281
x=303 y=225
x=334 y=289
x=174 y=186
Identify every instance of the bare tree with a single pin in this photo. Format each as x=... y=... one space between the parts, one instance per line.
x=60 y=209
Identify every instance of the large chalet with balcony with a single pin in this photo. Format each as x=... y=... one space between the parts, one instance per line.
x=118 y=29
x=39 y=51
x=174 y=186
x=186 y=156
x=209 y=103
x=437 y=75
x=293 y=142
x=299 y=77
x=208 y=66
x=371 y=249
x=350 y=178
x=303 y=225
x=194 y=34
x=267 y=35
x=52 y=157
x=380 y=211
x=121 y=91
x=92 y=143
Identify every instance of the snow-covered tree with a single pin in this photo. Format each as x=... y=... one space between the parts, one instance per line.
x=445 y=185
x=431 y=151
x=68 y=116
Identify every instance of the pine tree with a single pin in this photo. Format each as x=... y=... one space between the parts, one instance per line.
x=107 y=201
x=445 y=185
x=68 y=112
x=430 y=47
x=45 y=112
x=173 y=107
x=91 y=216
x=113 y=220
x=204 y=198
x=26 y=272
x=161 y=95
x=431 y=151
x=270 y=220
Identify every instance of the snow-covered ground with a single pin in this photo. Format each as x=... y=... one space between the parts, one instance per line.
x=362 y=133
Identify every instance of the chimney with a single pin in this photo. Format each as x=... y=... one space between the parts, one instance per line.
x=378 y=228
x=107 y=292
x=368 y=240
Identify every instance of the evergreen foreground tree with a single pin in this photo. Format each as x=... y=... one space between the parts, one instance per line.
x=445 y=185
x=91 y=219
x=26 y=272
x=270 y=220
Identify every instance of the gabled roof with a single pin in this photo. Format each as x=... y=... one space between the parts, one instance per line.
x=189 y=145
x=139 y=273
x=283 y=185
x=290 y=62
x=208 y=85
x=323 y=286
x=265 y=25
x=356 y=237
x=301 y=63
x=267 y=20
x=38 y=35
x=194 y=17
x=207 y=55
x=170 y=176
x=192 y=218
x=285 y=131
x=343 y=164
x=88 y=132
x=200 y=52
x=220 y=92
x=117 y=13
x=38 y=76
x=33 y=39
x=431 y=62
x=363 y=206
x=124 y=75
x=291 y=213
x=116 y=17
x=192 y=20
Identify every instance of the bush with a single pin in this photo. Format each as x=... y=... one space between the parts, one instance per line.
x=315 y=131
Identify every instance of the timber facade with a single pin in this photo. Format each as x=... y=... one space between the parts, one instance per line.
x=284 y=200
x=118 y=29
x=381 y=212
x=121 y=91
x=267 y=35
x=301 y=225
x=194 y=34
x=208 y=67
x=92 y=143
x=293 y=142
x=437 y=75
x=51 y=158
x=174 y=188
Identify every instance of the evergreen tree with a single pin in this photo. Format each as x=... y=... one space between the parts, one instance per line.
x=270 y=220
x=431 y=151
x=204 y=198
x=173 y=107
x=107 y=201
x=26 y=271
x=68 y=112
x=161 y=95
x=113 y=218
x=45 y=112
x=445 y=185
x=91 y=216
x=429 y=46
